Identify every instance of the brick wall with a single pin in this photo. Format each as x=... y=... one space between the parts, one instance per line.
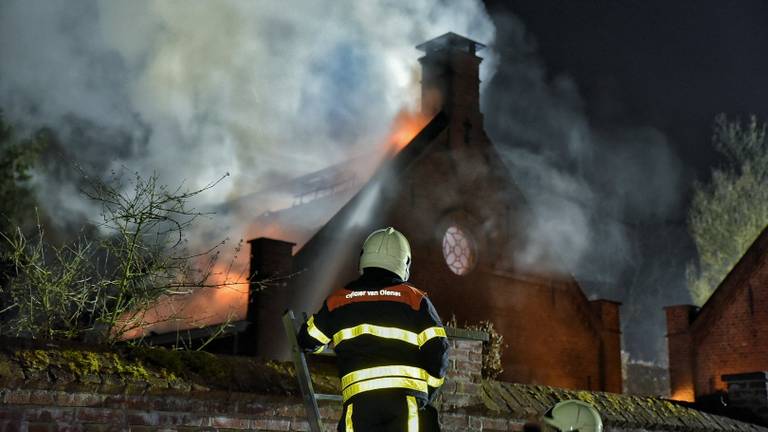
x=680 y=351
x=607 y=313
x=557 y=337
x=736 y=342
x=33 y=410
x=729 y=335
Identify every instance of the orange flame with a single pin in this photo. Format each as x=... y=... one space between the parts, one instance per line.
x=405 y=127
x=224 y=297
x=270 y=229
x=683 y=394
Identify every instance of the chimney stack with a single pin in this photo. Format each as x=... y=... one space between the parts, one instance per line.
x=270 y=260
x=681 y=378
x=450 y=77
x=607 y=312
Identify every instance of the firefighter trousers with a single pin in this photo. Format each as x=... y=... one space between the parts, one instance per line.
x=382 y=411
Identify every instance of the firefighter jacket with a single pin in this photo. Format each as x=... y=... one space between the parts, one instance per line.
x=386 y=335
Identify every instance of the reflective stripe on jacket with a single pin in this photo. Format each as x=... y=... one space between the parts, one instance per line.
x=386 y=334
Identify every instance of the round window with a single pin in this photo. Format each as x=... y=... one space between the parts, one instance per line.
x=458 y=250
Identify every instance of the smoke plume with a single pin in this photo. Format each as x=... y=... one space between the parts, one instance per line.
x=265 y=91
x=588 y=189
x=258 y=89
x=268 y=91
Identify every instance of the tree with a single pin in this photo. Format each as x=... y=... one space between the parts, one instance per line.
x=17 y=157
x=97 y=289
x=729 y=212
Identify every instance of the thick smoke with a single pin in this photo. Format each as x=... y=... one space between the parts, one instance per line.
x=588 y=189
x=261 y=90
x=265 y=91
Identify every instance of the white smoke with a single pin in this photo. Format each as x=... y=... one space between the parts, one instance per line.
x=592 y=193
x=261 y=90
x=271 y=90
x=582 y=184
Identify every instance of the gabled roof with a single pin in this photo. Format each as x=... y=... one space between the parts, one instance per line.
x=396 y=167
x=755 y=257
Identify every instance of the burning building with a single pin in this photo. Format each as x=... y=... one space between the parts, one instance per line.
x=448 y=191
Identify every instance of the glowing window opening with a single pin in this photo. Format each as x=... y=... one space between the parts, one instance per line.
x=458 y=250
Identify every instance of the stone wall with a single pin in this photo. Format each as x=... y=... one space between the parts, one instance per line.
x=38 y=410
x=467 y=402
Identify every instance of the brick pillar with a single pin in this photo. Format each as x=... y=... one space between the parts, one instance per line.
x=463 y=381
x=681 y=354
x=270 y=261
x=607 y=312
x=749 y=392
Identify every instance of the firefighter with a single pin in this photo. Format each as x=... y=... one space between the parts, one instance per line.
x=572 y=416
x=390 y=344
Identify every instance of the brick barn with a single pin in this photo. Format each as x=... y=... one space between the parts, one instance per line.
x=449 y=192
x=724 y=345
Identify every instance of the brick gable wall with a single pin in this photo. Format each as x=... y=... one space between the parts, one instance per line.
x=555 y=335
x=729 y=335
x=737 y=341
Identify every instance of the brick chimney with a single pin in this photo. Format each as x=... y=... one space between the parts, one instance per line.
x=450 y=77
x=271 y=260
x=681 y=376
x=607 y=312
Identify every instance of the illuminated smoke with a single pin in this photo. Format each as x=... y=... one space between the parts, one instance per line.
x=585 y=187
x=266 y=91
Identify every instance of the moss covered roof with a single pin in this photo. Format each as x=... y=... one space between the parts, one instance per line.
x=622 y=411
x=149 y=371
x=162 y=371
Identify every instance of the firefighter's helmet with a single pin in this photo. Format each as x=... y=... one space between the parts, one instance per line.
x=574 y=415
x=387 y=248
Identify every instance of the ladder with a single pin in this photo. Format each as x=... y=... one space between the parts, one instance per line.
x=308 y=395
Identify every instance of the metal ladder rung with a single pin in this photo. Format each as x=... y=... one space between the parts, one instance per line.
x=308 y=394
x=330 y=397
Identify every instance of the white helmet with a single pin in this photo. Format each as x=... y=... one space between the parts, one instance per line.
x=387 y=248
x=574 y=415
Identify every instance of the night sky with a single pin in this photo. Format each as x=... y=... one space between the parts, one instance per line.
x=667 y=65
x=672 y=65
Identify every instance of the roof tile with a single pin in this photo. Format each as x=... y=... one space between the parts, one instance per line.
x=635 y=412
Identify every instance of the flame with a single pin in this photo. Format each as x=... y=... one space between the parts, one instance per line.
x=406 y=125
x=270 y=229
x=223 y=298
x=685 y=394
